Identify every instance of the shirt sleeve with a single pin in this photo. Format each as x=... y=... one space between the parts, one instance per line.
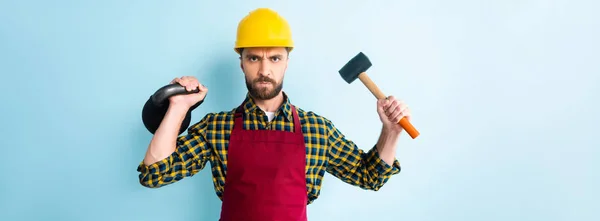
x=190 y=156
x=354 y=166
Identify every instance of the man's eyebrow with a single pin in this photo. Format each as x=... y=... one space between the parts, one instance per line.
x=249 y=55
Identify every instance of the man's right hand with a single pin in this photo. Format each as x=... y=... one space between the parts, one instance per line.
x=164 y=140
x=188 y=100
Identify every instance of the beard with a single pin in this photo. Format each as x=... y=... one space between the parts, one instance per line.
x=263 y=93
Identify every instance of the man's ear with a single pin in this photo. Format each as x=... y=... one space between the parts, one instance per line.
x=241 y=61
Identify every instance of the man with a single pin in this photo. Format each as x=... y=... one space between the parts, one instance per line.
x=267 y=156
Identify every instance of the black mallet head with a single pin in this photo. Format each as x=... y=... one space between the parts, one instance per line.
x=357 y=65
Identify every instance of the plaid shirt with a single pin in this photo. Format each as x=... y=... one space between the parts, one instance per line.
x=326 y=150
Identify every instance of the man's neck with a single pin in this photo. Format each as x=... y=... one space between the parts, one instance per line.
x=270 y=105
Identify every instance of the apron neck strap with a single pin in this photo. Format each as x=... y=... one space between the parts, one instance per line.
x=239 y=118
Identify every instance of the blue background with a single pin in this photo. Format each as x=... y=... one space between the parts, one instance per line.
x=504 y=92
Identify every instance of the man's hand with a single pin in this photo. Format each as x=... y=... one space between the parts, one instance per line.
x=391 y=111
x=164 y=140
x=186 y=101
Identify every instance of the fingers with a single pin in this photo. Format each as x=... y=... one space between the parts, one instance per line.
x=390 y=105
x=394 y=112
x=406 y=114
x=190 y=83
x=394 y=109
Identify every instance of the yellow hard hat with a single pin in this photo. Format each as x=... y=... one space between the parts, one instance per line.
x=263 y=27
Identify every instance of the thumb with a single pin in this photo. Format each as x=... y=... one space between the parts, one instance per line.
x=202 y=88
x=380 y=105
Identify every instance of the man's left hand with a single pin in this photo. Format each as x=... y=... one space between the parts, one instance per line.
x=391 y=111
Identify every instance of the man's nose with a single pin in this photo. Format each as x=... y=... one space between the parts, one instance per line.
x=264 y=67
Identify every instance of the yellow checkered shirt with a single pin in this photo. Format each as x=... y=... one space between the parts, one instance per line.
x=327 y=150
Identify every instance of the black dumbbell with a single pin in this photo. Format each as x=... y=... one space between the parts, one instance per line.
x=156 y=107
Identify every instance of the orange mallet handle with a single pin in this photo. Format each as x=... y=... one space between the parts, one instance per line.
x=408 y=127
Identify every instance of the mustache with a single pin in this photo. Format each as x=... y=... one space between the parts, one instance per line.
x=264 y=79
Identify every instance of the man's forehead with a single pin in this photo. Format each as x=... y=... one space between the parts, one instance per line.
x=265 y=51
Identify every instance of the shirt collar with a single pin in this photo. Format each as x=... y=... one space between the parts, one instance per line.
x=250 y=107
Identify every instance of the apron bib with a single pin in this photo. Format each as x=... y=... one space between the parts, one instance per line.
x=266 y=178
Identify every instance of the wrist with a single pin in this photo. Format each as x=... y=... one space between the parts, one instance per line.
x=391 y=131
x=178 y=109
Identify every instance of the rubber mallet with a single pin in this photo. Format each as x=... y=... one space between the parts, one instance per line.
x=356 y=68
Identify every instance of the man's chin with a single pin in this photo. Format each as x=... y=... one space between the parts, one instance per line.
x=262 y=94
x=263 y=91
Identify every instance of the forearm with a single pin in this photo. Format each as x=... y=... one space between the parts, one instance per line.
x=368 y=170
x=386 y=145
x=163 y=142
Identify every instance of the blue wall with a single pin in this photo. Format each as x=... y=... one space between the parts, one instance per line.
x=504 y=93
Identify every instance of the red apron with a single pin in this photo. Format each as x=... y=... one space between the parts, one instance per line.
x=266 y=178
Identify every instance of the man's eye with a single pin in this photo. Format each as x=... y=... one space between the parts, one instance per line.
x=275 y=59
x=253 y=58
